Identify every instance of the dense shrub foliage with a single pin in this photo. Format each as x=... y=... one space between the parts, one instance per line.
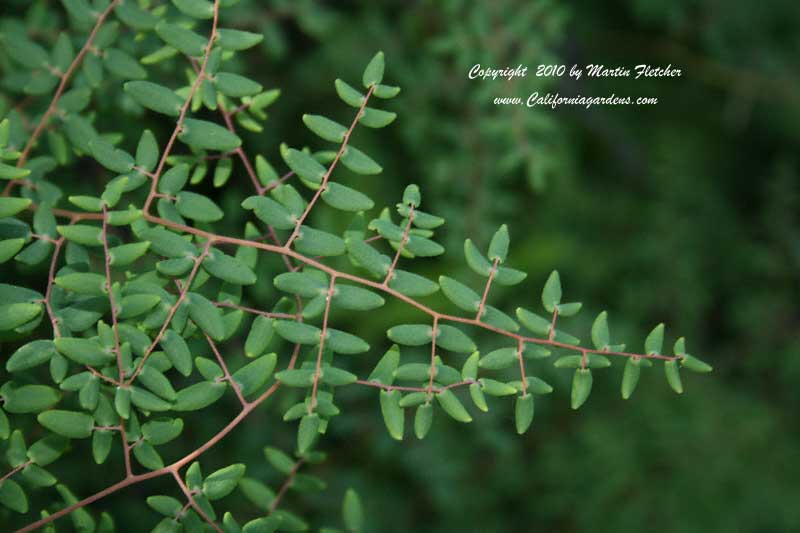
x=148 y=312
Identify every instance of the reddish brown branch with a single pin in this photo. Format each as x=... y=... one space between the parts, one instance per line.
x=322 y=335
x=482 y=305
x=65 y=78
x=328 y=173
x=403 y=241
x=286 y=484
x=227 y=373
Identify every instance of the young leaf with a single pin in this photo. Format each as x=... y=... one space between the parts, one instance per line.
x=654 y=342
x=307 y=432
x=630 y=377
x=551 y=294
x=423 y=419
x=453 y=406
x=498 y=247
x=184 y=40
x=205 y=315
x=393 y=415
x=70 y=424
x=581 y=387
x=352 y=512
x=523 y=413
x=207 y=135
x=325 y=127
x=198 y=207
x=222 y=482
x=673 y=375
x=154 y=97
x=384 y=370
x=373 y=73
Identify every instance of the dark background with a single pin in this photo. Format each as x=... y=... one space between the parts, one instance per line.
x=684 y=212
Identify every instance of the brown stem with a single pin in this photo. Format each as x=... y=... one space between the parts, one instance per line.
x=104 y=234
x=255 y=311
x=403 y=241
x=65 y=78
x=435 y=390
x=15 y=470
x=521 y=357
x=181 y=297
x=328 y=173
x=227 y=373
x=192 y=502
x=126 y=449
x=482 y=305
x=552 y=334
x=322 y=335
x=434 y=332
x=184 y=110
x=286 y=484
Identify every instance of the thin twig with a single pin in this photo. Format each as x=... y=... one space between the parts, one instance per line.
x=403 y=241
x=322 y=336
x=227 y=373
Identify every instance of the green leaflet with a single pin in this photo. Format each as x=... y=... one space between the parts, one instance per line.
x=259 y=336
x=236 y=40
x=307 y=432
x=208 y=136
x=297 y=332
x=393 y=415
x=162 y=430
x=654 y=342
x=174 y=180
x=83 y=283
x=222 y=482
x=177 y=351
x=356 y=298
x=551 y=294
x=373 y=73
x=600 y=335
x=304 y=165
x=423 y=419
x=453 y=406
x=13 y=497
x=297 y=377
x=70 y=424
x=523 y=413
x=184 y=40
x=125 y=254
x=15 y=315
x=83 y=351
x=376 y=118
x=154 y=97
x=410 y=334
x=581 y=387
x=30 y=355
x=228 y=268
x=11 y=206
x=198 y=207
x=345 y=198
x=387 y=365
x=315 y=242
x=236 y=86
x=345 y=343
x=205 y=315
x=630 y=377
x=453 y=339
x=270 y=212
x=198 y=396
x=82 y=234
x=348 y=94
x=253 y=375
x=499 y=359
x=201 y=9
x=498 y=247
x=336 y=377
x=30 y=399
x=458 y=293
x=673 y=375
x=301 y=283
x=359 y=162
x=121 y=64
x=325 y=127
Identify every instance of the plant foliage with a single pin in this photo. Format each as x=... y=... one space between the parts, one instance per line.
x=147 y=313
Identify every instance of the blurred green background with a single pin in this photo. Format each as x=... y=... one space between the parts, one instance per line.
x=684 y=212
